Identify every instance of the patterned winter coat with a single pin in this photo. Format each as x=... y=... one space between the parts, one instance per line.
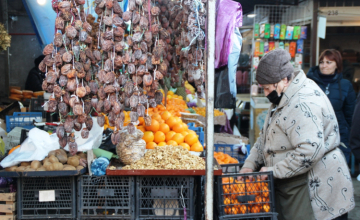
x=302 y=136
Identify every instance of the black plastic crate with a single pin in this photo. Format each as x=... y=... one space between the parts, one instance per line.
x=165 y=197
x=106 y=197
x=245 y=199
x=29 y=206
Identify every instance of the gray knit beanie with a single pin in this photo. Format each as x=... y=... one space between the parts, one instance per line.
x=274 y=66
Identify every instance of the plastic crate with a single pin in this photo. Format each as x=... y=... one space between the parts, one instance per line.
x=199 y=131
x=63 y=206
x=106 y=197
x=165 y=197
x=244 y=199
x=22 y=119
x=232 y=151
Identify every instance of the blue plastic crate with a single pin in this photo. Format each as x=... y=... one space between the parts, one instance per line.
x=22 y=119
x=199 y=131
x=230 y=149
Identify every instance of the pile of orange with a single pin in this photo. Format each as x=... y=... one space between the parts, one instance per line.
x=166 y=129
x=222 y=158
x=175 y=104
x=232 y=188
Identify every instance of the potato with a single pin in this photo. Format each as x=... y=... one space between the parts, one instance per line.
x=24 y=164
x=58 y=166
x=45 y=160
x=50 y=167
x=51 y=153
x=11 y=169
x=69 y=168
x=79 y=168
x=29 y=169
x=20 y=169
x=35 y=164
x=46 y=165
x=41 y=169
x=74 y=161
x=61 y=156
x=53 y=159
x=81 y=155
x=28 y=166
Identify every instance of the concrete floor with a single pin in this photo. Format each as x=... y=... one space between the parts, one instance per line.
x=355 y=213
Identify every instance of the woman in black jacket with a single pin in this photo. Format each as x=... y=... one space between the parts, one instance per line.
x=328 y=75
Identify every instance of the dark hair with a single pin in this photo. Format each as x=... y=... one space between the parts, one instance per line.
x=38 y=60
x=333 y=55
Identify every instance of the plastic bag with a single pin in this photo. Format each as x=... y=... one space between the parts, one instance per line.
x=35 y=147
x=98 y=167
x=131 y=148
x=233 y=61
x=223 y=96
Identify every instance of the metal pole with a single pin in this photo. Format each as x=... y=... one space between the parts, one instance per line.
x=210 y=75
x=7 y=59
x=314 y=29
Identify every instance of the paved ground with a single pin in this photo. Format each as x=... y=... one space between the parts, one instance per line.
x=355 y=213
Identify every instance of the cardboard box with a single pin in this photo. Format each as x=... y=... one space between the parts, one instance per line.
x=222 y=138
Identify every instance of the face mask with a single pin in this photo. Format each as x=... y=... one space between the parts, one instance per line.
x=274 y=97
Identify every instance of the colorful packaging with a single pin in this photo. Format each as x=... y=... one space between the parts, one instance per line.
x=297 y=32
x=300 y=46
x=277 y=31
x=272 y=45
x=303 y=32
x=267 y=31
x=256 y=61
x=292 y=49
x=256 y=31
x=257 y=48
x=287 y=47
x=281 y=45
x=289 y=32
x=266 y=47
x=272 y=30
x=277 y=45
x=261 y=48
x=262 y=30
x=298 y=59
x=282 y=32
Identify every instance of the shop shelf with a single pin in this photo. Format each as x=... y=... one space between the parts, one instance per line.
x=22 y=119
x=61 y=206
x=166 y=197
x=245 y=199
x=106 y=197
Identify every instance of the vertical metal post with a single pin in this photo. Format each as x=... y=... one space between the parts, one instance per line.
x=314 y=29
x=7 y=56
x=210 y=75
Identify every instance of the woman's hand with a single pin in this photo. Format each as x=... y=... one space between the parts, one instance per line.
x=245 y=170
x=263 y=177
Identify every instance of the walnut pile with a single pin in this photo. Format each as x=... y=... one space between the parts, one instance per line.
x=168 y=158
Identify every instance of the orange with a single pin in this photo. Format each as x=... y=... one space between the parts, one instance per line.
x=151 y=145
x=165 y=115
x=172 y=143
x=156 y=116
x=154 y=127
x=178 y=120
x=191 y=139
x=159 y=137
x=161 y=144
x=178 y=128
x=185 y=146
x=185 y=126
x=141 y=121
x=171 y=121
x=164 y=128
x=197 y=147
x=141 y=128
x=179 y=138
x=170 y=135
x=184 y=133
x=192 y=132
x=266 y=207
x=148 y=136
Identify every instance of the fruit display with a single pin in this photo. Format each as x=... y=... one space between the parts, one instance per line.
x=202 y=111
x=55 y=161
x=168 y=158
x=223 y=158
x=233 y=188
x=120 y=60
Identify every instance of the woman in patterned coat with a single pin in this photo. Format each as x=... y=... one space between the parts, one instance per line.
x=299 y=144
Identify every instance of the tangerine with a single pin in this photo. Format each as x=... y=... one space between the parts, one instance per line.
x=159 y=137
x=172 y=143
x=148 y=136
x=161 y=144
x=197 y=147
x=170 y=135
x=185 y=146
x=178 y=137
x=191 y=139
x=154 y=127
x=151 y=145
x=164 y=128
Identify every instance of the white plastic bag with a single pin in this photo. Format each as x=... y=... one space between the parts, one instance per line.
x=35 y=147
x=94 y=139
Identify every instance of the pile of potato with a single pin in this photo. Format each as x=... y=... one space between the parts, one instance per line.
x=56 y=160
